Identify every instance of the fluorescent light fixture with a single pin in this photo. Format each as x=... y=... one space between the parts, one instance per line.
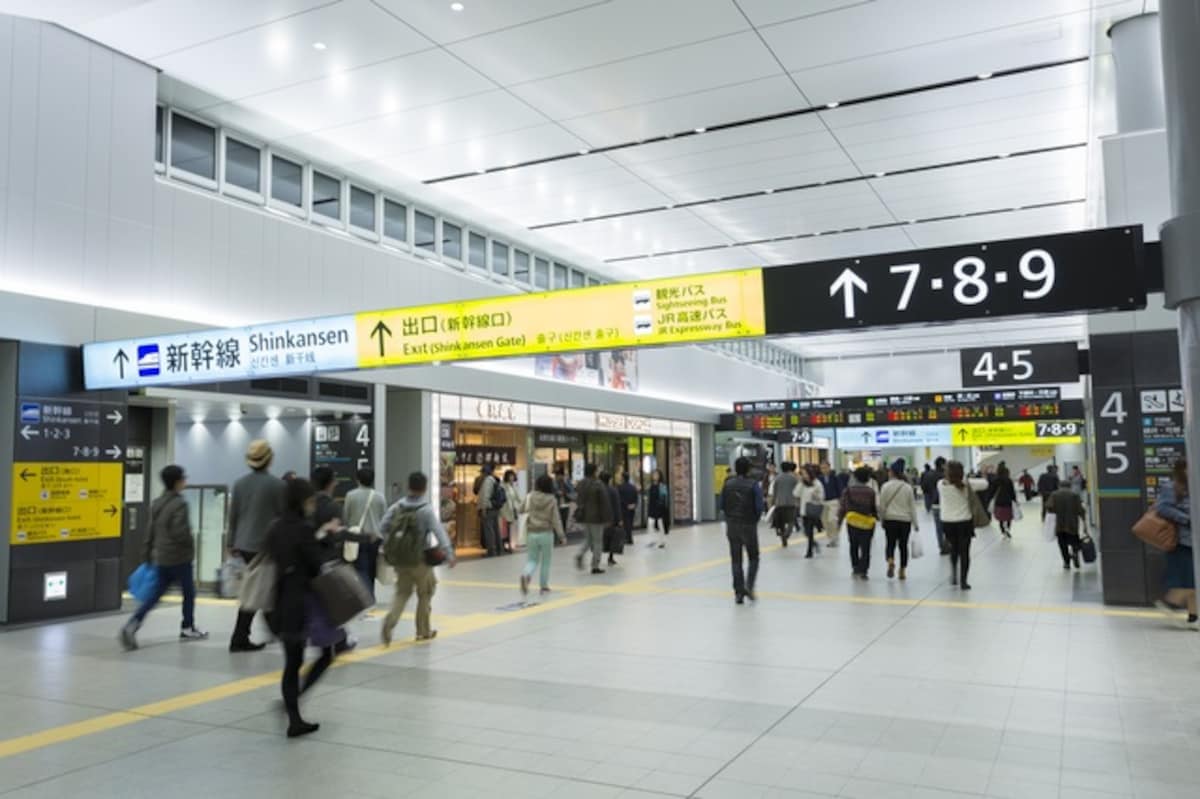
x=834 y=104
x=318 y=45
x=701 y=130
x=984 y=75
x=584 y=151
x=456 y=6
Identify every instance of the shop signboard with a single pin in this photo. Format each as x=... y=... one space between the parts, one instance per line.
x=67 y=470
x=480 y=455
x=558 y=439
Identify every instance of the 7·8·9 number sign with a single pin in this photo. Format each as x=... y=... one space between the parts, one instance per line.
x=1067 y=273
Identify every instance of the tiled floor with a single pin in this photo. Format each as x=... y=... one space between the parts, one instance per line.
x=647 y=681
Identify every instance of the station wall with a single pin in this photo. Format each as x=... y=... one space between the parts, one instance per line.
x=213 y=452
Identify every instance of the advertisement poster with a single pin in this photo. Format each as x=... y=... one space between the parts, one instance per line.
x=613 y=369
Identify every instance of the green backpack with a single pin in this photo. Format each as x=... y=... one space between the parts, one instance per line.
x=405 y=545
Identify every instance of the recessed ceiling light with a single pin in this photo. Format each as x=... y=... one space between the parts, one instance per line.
x=1002 y=155
x=834 y=104
x=984 y=75
x=584 y=151
x=769 y=191
x=481 y=171
x=701 y=130
x=318 y=45
x=456 y=6
x=880 y=174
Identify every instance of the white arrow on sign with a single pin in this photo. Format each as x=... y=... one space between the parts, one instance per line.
x=114 y=451
x=846 y=283
x=28 y=431
x=115 y=417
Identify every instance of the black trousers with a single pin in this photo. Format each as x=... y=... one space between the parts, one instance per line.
x=959 y=535
x=665 y=519
x=810 y=527
x=293 y=659
x=490 y=529
x=860 y=549
x=742 y=536
x=627 y=522
x=897 y=533
x=1068 y=545
x=245 y=618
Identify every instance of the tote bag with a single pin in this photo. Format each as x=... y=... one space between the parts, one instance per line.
x=350 y=548
x=259 y=582
x=1050 y=527
x=341 y=592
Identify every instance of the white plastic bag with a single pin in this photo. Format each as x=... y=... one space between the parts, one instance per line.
x=1049 y=527
x=916 y=549
x=231 y=576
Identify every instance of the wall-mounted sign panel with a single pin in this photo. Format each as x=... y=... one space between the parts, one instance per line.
x=1014 y=277
x=1015 y=434
x=928 y=435
x=1026 y=364
x=63 y=501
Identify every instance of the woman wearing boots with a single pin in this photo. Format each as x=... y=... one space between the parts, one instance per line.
x=1004 y=496
x=899 y=511
x=810 y=503
x=954 y=491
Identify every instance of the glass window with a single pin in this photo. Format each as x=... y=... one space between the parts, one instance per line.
x=591 y=281
x=520 y=266
x=541 y=273
x=500 y=258
x=424 y=231
x=287 y=181
x=395 y=220
x=477 y=251
x=451 y=241
x=158 y=133
x=326 y=195
x=193 y=147
x=576 y=279
x=362 y=208
x=560 y=276
x=243 y=165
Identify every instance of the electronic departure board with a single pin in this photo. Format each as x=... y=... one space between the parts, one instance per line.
x=939 y=408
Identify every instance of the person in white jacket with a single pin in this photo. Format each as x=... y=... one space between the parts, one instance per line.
x=810 y=503
x=899 y=512
x=955 y=492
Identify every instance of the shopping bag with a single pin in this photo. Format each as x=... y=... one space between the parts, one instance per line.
x=384 y=573
x=1087 y=548
x=341 y=591
x=1018 y=514
x=915 y=547
x=143 y=582
x=231 y=576
x=771 y=516
x=259 y=584
x=1050 y=527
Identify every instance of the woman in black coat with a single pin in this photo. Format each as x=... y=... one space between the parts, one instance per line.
x=298 y=556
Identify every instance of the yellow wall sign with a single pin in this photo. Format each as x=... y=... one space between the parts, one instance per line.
x=1015 y=434
x=678 y=310
x=65 y=501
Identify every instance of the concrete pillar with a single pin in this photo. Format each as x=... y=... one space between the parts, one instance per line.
x=1180 y=32
x=1137 y=54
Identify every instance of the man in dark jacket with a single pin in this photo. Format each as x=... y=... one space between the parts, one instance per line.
x=742 y=504
x=171 y=548
x=860 y=510
x=256 y=501
x=1048 y=483
x=489 y=515
x=1067 y=507
x=629 y=501
x=929 y=487
x=594 y=512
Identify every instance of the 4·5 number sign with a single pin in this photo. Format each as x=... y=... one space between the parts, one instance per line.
x=1065 y=273
x=1024 y=364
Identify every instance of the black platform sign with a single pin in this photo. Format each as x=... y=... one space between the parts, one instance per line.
x=1092 y=270
x=1023 y=364
x=344 y=445
x=1005 y=405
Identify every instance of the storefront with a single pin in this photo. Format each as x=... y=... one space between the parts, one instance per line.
x=533 y=440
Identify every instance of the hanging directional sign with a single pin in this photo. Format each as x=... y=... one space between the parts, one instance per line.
x=1065 y=273
x=1023 y=364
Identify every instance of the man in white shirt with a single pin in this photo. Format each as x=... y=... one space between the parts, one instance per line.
x=363 y=509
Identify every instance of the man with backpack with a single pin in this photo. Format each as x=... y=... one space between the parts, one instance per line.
x=407 y=526
x=742 y=504
x=491 y=501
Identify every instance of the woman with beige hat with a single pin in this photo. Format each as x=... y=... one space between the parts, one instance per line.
x=257 y=500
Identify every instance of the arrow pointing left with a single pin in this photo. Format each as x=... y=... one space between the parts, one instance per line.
x=28 y=431
x=26 y=474
x=114 y=452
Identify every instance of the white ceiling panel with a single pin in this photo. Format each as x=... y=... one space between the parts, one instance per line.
x=267 y=57
x=642 y=234
x=842 y=245
x=811 y=211
x=687 y=111
x=439 y=22
x=597 y=34
x=374 y=91
x=689 y=263
x=149 y=30
x=727 y=61
x=1015 y=224
x=770 y=12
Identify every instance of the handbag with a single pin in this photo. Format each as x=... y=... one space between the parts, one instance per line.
x=1018 y=514
x=1156 y=531
x=1050 y=527
x=143 y=582
x=350 y=548
x=341 y=592
x=1087 y=548
x=813 y=510
x=979 y=514
x=317 y=627
x=259 y=583
x=916 y=549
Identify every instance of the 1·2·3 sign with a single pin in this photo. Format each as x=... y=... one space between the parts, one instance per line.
x=1041 y=275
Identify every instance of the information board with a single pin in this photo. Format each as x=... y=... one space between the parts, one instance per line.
x=342 y=444
x=67 y=471
x=1161 y=414
x=1015 y=277
x=1015 y=434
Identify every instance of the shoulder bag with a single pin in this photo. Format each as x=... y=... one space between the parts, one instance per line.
x=341 y=592
x=979 y=514
x=350 y=547
x=259 y=583
x=1156 y=531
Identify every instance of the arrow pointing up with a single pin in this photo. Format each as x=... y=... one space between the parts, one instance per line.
x=115 y=417
x=379 y=331
x=846 y=283
x=962 y=435
x=120 y=359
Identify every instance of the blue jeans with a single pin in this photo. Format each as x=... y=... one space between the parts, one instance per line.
x=182 y=574
x=539 y=550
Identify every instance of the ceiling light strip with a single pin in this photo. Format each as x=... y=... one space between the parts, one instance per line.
x=983 y=159
x=842 y=231
x=763 y=118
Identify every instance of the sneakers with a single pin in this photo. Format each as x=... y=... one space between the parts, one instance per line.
x=597 y=570
x=192 y=634
x=129 y=636
x=430 y=637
